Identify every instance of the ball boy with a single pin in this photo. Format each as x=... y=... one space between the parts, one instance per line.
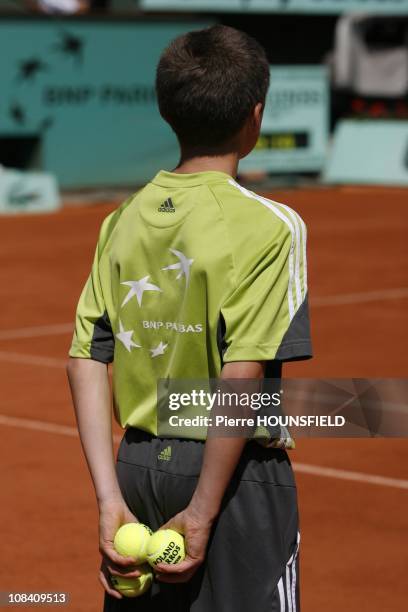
x=196 y=277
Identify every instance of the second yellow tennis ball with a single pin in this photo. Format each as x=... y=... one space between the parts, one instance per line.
x=165 y=546
x=133 y=587
x=131 y=541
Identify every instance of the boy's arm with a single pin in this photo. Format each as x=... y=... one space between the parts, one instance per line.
x=221 y=456
x=91 y=394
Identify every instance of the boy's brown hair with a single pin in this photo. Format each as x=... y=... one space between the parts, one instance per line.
x=208 y=82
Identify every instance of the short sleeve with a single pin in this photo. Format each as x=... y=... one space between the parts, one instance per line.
x=93 y=337
x=266 y=316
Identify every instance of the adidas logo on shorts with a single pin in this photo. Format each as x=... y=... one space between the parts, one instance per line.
x=167 y=206
x=165 y=455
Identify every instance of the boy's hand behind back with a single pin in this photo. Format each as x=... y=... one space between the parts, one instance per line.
x=112 y=514
x=196 y=530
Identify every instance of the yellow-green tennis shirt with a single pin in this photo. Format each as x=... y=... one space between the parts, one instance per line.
x=191 y=272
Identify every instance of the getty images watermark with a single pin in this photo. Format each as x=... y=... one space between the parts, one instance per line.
x=223 y=401
x=275 y=408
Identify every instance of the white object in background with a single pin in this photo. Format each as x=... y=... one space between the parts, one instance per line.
x=28 y=192
x=60 y=6
x=364 y=70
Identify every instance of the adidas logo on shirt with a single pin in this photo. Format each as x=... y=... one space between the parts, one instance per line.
x=167 y=206
x=165 y=455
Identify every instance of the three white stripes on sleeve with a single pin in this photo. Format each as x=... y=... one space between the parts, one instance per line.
x=297 y=254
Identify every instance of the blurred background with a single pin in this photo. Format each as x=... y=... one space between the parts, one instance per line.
x=79 y=132
x=78 y=88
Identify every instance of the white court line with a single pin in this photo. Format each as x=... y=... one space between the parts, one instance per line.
x=63 y=430
x=329 y=300
x=317 y=470
x=36 y=331
x=360 y=298
x=49 y=362
x=45 y=426
x=305 y=468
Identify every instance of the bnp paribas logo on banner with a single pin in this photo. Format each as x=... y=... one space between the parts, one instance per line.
x=31 y=69
x=57 y=79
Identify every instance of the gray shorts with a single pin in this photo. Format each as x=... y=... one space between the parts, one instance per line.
x=252 y=560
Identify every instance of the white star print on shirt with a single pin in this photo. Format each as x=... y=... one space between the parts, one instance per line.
x=183 y=265
x=137 y=288
x=159 y=350
x=126 y=337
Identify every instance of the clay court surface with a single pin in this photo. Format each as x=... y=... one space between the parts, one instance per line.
x=354 y=529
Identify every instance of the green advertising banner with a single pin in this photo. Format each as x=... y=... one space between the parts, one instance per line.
x=80 y=96
x=265 y=6
x=295 y=127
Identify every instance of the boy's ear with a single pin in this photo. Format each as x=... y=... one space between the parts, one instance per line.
x=249 y=134
x=258 y=114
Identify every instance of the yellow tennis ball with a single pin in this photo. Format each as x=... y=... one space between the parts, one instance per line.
x=133 y=587
x=165 y=546
x=131 y=541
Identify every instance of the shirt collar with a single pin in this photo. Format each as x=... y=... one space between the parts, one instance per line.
x=176 y=179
